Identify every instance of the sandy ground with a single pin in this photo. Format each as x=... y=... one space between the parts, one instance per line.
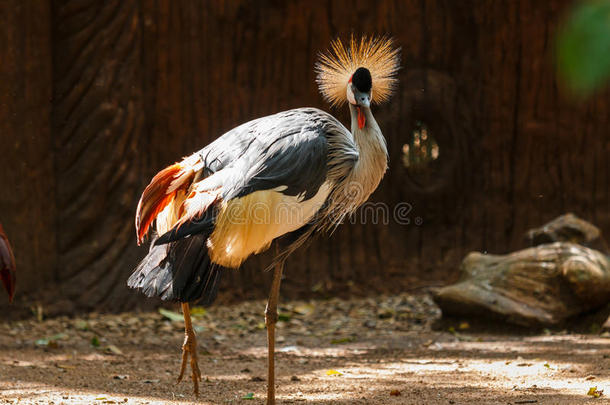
x=364 y=351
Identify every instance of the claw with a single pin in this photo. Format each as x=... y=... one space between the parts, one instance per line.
x=190 y=347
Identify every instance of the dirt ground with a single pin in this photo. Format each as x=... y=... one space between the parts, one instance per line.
x=364 y=351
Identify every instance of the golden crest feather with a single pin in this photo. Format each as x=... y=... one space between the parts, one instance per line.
x=335 y=68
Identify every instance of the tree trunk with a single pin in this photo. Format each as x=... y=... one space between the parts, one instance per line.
x=540 y=286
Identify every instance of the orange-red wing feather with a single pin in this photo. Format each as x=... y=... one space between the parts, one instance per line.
x=7 y=265
x=159 y=193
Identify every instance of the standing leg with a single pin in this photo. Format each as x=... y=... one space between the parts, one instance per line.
x=189 y=346
x=270 y=320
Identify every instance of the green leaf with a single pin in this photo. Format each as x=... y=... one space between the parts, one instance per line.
x=95 y=341
x=305 y=309
x=42 y=342
x=113 y=349
x=583 y=47
x=48 y=341
x=249 y=395
x=81 y=325
x=198 y=312
x=171 y=315
x=464 y=326
x=58 y=336
x=283 y=317
x=595 y=393
x=341 y=340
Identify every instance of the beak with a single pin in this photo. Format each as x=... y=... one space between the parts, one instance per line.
x=364 y=100
x=358 y=98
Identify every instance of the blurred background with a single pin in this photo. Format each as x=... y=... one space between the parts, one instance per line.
x=486 y=140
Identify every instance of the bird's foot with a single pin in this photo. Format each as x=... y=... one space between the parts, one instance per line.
x=190 y=347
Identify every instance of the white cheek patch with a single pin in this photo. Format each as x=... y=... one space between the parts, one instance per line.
x=350 y=95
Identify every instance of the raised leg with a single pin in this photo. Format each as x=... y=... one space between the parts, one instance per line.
x=189 y=347
x=270 y=320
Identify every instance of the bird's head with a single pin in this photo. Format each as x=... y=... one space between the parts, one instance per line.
x=360 y=88
x=351 y=73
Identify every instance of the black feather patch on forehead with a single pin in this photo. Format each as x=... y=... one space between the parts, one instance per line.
x=362 y=80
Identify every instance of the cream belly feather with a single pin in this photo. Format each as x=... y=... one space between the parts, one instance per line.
x=248 y=225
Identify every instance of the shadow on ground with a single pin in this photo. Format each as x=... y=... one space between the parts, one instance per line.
x=380 y=352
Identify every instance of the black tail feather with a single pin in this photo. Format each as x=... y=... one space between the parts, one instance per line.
x=203 y=225
x=178 y=271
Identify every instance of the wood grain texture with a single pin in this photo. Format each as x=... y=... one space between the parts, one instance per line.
x=98 y=125
x=27 y=208
x=139 y=84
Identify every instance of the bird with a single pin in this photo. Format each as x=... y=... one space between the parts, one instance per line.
x=7 y=265
x=285 y=177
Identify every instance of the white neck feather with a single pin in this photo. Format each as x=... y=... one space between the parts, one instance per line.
x=373 y=161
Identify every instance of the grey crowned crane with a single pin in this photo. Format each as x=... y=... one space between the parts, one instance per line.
x=286 y=176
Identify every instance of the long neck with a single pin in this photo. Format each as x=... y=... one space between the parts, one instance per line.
x=373 y=161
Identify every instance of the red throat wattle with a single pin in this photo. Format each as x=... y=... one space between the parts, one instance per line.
x=361 y=118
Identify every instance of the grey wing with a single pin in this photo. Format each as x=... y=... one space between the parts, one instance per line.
x=294 y=148
x=294 y=153
x=295 y=164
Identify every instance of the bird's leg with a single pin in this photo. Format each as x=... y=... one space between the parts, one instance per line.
x=270 y=320
x=189 y=347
